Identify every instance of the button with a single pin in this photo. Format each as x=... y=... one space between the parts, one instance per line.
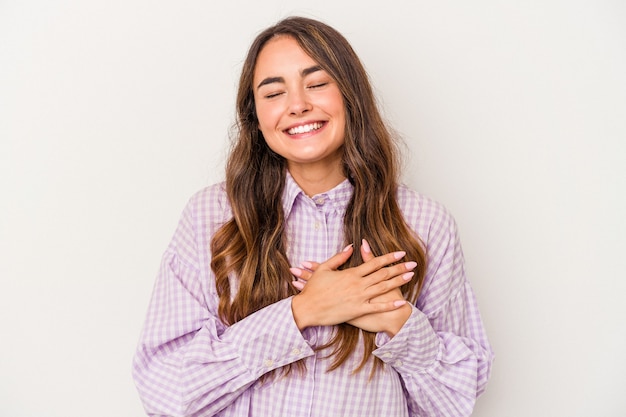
x=296 y=351
x=319 y=200
x=317 y=225
x=268 y=363
x=398 y=364
x=388 y=355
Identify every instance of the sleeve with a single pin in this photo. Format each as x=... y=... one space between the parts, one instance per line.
x=188 y=363
x=442 y=352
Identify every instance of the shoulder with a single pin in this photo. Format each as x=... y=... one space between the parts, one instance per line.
x=437 y=230
x=426 y=216
x=209 y=206
x=210 y=198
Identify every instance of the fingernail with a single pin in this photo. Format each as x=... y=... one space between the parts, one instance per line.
x=299 y=285
x=408 y=276
x=366 y=246
x=399 y=255
x=307 y=265
x=399 y=303
x=410 y=265
x=295 y=271
x=347 y=248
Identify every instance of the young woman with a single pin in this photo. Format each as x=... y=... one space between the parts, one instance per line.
x=311 y=283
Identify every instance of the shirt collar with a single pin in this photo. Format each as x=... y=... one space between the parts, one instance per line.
x=337 y=198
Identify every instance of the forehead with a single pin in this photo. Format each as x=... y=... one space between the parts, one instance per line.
x=280 y=56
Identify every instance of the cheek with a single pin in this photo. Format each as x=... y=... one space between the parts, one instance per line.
x=337 y=106
x=266 y=117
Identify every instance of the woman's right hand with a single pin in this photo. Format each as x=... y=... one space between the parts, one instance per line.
x=333 y=296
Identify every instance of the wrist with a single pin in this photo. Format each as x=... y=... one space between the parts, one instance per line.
x=402 y=316
x=298 y=309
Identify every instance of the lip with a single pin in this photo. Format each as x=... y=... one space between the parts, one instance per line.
x=322 y=123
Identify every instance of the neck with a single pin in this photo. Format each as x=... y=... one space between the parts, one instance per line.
x=316 y=180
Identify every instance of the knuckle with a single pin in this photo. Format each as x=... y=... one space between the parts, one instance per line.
x=379 y=307
x=385 y=274
x=380 y=261
x=400 y=269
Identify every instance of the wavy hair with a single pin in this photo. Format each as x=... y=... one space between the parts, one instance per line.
x=252 y=245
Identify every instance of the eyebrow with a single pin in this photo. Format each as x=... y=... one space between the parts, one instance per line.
x=303 y=73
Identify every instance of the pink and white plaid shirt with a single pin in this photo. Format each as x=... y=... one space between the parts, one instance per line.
x=188 y=363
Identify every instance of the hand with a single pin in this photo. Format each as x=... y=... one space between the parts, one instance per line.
x=391 y=321
x=367 y=296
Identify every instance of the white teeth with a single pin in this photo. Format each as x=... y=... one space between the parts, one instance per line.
x=304 y=128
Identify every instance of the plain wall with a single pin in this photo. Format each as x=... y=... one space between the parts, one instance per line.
x=112 y=113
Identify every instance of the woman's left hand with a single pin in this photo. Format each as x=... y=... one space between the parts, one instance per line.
x=390 y=322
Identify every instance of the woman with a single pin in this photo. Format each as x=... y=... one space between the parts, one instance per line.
x=257 y=309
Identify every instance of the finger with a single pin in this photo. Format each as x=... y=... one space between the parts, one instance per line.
x=339 y=259
x=388 y=285
x=311 y=266
x=299 y=285
x=390 y=272
x=379 y=262
x=382 y=307
x=301 y=274
x=366 y=251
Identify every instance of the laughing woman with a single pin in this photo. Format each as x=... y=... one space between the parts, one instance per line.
x=310 y=282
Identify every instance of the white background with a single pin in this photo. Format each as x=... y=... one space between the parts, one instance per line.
x=112 y=113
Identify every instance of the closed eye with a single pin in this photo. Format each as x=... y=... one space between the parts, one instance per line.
x=320 y=85
x=272 y=95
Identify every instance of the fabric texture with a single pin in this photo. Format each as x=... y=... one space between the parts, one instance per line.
x=189 y=363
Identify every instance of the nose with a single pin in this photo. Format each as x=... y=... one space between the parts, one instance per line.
x=298 y=102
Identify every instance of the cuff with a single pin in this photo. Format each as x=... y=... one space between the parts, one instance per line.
x=269 y=338
x=416 y=347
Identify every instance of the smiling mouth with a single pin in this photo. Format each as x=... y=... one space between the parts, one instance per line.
x=304 y=128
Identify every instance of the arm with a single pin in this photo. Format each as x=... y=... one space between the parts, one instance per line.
x=188 y=363
x=442 y=352
x=443 y=356
x=389 y=320
x=334 y=296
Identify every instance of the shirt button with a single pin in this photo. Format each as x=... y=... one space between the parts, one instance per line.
x=317 y=225
x=398 y=364
x=319 y=200
x=388 y=355
x=268 y=363
x=295 y=351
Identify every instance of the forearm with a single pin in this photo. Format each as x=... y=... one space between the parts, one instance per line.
x=443 y=372
x=204 y=372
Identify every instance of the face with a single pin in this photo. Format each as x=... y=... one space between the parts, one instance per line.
x=299 y=106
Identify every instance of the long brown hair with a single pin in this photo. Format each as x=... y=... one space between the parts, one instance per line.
x=252 y=245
